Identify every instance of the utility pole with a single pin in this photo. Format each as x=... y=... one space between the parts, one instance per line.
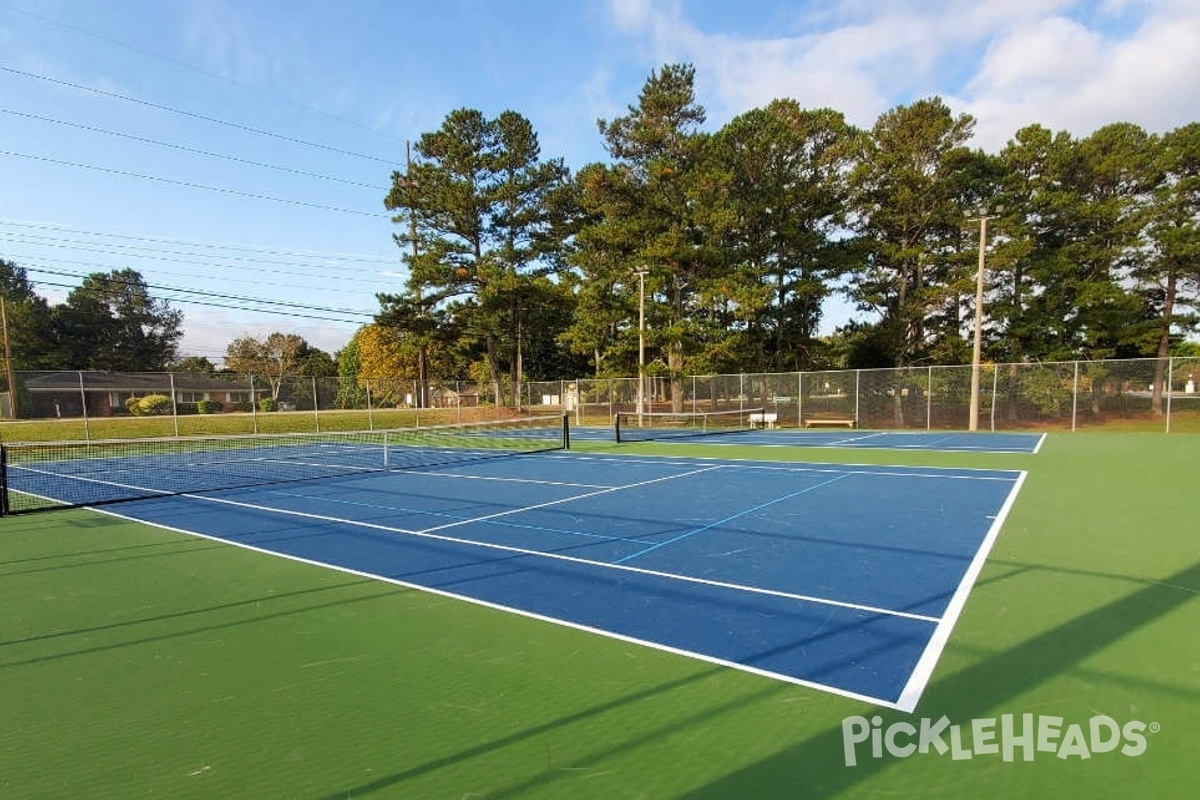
x=641 y=389
x=8 y=370
x=422 y=378
x=977 y=349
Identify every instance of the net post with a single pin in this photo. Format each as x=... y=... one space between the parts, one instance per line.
x=566 y=431
x=617 y=426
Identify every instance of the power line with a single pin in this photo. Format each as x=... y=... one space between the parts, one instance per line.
x=30 y=262
x=126 y=251
x=215 y=295
x=195 y=115
x=192 y=185
x=192 y=67
x=193 y=150
x=225 y=305
x=242 y=248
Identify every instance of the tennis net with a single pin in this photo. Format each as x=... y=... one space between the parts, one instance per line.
x=633 y=427
x=37 y=476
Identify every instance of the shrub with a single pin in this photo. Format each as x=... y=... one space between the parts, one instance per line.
x=154 y=405
x=268 y=404
x=133 y=405
x=207 y=407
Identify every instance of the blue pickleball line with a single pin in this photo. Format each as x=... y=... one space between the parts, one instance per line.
x=731 y=518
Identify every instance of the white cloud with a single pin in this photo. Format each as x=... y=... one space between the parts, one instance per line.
x=1062 y=63
x=1066 y=77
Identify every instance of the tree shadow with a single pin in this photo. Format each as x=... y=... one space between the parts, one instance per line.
x=815 y=768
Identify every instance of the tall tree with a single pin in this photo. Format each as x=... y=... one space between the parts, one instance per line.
x=1170 y=270
x=31 y=336
x=277 y=357
x=789 y=168
x=111 y=322
x=906 y=211
x=474 y=218
x=675 y=215
x=605 y=258
x=1116 y=175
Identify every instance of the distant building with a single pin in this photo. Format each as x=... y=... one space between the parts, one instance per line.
x=64 y=393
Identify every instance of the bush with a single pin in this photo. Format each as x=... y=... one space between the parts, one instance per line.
x=132 y=405
x=154 y=405
x=268 y=404
x=207 y=407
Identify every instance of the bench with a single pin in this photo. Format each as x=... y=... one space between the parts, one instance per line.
x=763 y=419
x=816 y=422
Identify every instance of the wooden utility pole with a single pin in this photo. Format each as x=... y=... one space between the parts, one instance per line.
x=422 y=378
x=8 y=370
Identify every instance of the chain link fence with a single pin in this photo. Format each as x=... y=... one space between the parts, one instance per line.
x=1146 y=394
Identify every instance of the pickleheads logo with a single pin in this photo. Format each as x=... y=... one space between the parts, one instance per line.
x=1008 y=737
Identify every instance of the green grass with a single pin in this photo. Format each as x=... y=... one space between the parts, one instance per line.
x=138 y=662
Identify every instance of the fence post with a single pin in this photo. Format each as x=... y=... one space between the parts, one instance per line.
x=370 y=413
x=87 y=430
x=1170 y=384
x=857 y=385
x=799 y=399
x=995 y=388
x=316 y=405
x=253 y=406
x=174 y=404
x=929 y=400
x=1075 y=397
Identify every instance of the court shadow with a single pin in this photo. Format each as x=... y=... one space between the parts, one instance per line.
x=700 y=716
x=815 y=768
x=256 y=619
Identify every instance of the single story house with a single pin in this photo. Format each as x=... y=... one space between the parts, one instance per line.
x=65 y=393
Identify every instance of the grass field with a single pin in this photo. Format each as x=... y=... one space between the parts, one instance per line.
x=139 y=662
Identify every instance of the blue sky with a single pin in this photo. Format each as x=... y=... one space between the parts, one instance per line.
x=242 y=149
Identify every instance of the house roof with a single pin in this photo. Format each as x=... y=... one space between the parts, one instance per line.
x=141 y=382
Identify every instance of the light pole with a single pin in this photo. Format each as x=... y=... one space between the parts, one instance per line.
x=976 y=353
x=641 y=389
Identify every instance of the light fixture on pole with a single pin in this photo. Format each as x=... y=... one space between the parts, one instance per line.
x=977 y=349
x=641 y=387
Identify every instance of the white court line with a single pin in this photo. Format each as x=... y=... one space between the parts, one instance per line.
x=502 y=479
x=890 y=470
x=779 y=676
x=428 y=534
x=923 y=671
x=86 y=479
x=605 y=490
x=1037 y=447
x=837 y=442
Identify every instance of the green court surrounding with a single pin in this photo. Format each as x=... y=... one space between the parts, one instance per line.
x=142 y=662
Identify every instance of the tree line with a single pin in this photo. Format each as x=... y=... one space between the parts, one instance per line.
x=715 y=252
x=731 y=241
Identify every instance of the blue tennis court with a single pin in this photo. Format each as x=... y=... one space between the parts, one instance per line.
x=843 y=578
